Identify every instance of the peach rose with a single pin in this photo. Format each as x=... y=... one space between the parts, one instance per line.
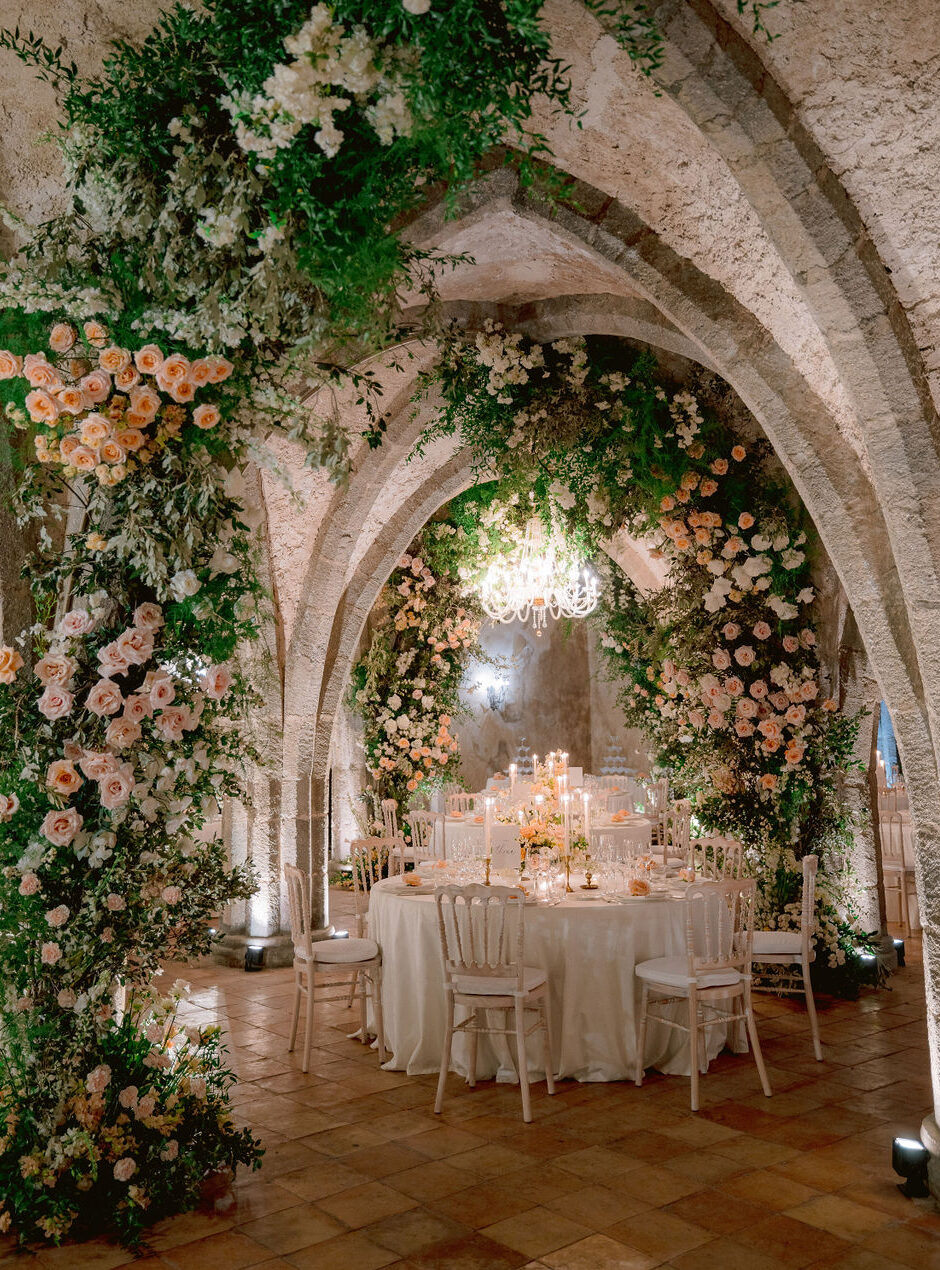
x=62 y=337
x=148 y=359
x=55 y=703
x=40 y=373
x=125 y=1169
x=743 y=727
x=113 y=359
x=137 y=708
x=148 y=616
x=794 y=753
x=129 y=439
x=96 y=385
x=135 y=645
x=83 y=459
x=174 y=370
x=768 y=781
x=220 y=368
x=111 y=661
x=182 y=391
x=769 y=728
x=206 y=416
x=738 y=453
x=667 y=503
x=216 y=682
x=95 y=333
x=719 y=466
x=734 y=686
x=60 y=827
x=162 y=691
x=761 y=630
x=29 y=884
x=72 y=399
x=126 y=379
x=744 y=655
x=790 y=644
x=9 y=806
x=97 y=764
x=171 y=894
x=50 y=953
x=745 y=520
x=122 y=732
x=758 y=689
x=721 y=660
x=68 y=445
x=809 y=690
x=95 y=429
x=200 y=372
x=171 y=723
x=55 y=668
x=746 y=708
x=10 y=364
x=117 y=787
x=104 y=698
x=42 y=407
x=111 y=452
x=10 y=663
x=708 y=487
x=144 y=402
x=116 y=903
x=795 y=715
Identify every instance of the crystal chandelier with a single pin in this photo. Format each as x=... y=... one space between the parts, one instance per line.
x=538 y=580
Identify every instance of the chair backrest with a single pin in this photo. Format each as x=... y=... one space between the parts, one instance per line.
x=720 y=925
x=718 y=857
x=892 y=840
x=390 y=817
x=298 y=901
x=372 y=860
x=675 y=831
x=460 y=802
x=482 y=933
x=656 y=796
x=427 y=843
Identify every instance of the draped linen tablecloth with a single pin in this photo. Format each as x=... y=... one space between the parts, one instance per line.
x=588 y=948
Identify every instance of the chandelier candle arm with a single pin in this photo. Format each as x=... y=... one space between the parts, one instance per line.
x=539 y=579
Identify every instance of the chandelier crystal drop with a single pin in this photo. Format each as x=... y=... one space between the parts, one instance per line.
x=538 y=580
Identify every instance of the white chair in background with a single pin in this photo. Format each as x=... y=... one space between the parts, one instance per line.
x=794 y=949
x=675 y=828
x=656 y=796
x=459 y=803
x=390 y=817
x=482 y=931
x=718 y=857
x=427 y=835
x=714 y=974
x=339 y=958
x=372 y=860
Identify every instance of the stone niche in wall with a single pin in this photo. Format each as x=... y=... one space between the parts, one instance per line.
x=550 y=690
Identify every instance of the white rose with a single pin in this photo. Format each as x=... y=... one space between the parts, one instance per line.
x=183 y=584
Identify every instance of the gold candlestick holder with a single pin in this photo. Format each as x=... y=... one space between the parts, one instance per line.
x=486 y=875
x=568 y=887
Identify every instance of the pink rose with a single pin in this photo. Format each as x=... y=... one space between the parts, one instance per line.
x=29 y=884
x=807 y=638
x=62 y=777
x=60 y=827
x=97 y=1080
x=104 y=698
x=761 y=630
x=779 y=700
x=116 y=903
x=769 y=728
x=790 y=644
x=220 y=367
x=9 y=806
x=216 y=682
x=97 y=764
x=721 y=660
x=50 y=953
x=148 y=617
x=809 y=690
x=112 y=661
x=122 y=732
x=74 y=624
x=743 y=727
x=171 y=894
x=135 y=645
x=125 y=1169
x=162 y=691
x=731 y=630
x=744 y=655
x=137 y=708
x=747 y=708
x=171 y=723
x=758 y=689
x=55 y=668
x=96 y=386
x=128 y=1097
x=117 y=787
x=734 y=686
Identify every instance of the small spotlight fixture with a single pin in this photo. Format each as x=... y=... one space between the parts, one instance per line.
x=899 y=949
x=254 y=957
x=909 y=1159
x=340 y=934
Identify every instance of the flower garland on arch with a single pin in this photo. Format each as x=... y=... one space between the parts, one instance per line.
x=120 y=734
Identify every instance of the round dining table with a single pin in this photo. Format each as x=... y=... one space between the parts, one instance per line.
x=632 y=833
x=588 y=947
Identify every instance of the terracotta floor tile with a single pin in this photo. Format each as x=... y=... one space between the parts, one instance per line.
x=479 y=1206
x=473 y=1253
x=596 y=1207
x=793 y=1242
x=294 y=1228
x=711 y=1210
x=231 y=1250
x=906 y=1244
x=96 y=1255
x=429 y=1180
x=319 y=1179
x=362 y=1205
x=536 y=1232
x=661 y=1234
x=842 y=1217
x=768 y=1190
x=598 y=1252
x=352 y=1251
x=725 y=1253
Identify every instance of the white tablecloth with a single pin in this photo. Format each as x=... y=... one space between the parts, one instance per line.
x=588 y=948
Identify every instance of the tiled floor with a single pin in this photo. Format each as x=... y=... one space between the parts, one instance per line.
x=360 y=1174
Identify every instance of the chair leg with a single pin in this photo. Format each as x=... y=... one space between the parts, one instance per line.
x=308 y=1033
x=523 y=1061
x=755 y=1042
x=363 y=1021
x=547 y=1040
x=376 y=980
x=472 y=1040
x=693 y=1045
x=641 y=1035
x=295 y=1012
x=353 y=984
x=445 y=1053
x=811 y=1010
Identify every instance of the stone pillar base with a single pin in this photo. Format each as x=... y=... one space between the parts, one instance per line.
x=278 y=949
x=886 y=953
x=930 y=1136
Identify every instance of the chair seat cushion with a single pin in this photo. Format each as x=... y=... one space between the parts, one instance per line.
x=777 y=941
x=484 y=986
x=339 y=951
x=674 y=972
